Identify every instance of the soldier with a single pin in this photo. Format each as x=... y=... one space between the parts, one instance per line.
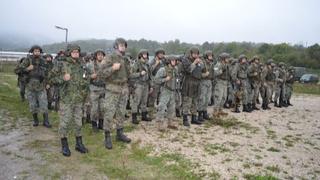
x=166 y=77
x=58 y=65
x=267 y=82
x=289 y=84
x=205 y=86
x=73 y=90
x=22 y=79
x=34 y=68
x=280 y=85
x=242 y=81
x=115 y=71
x=155 y=65
x=97 y=90
x=233 y=90
x=179 y=78
x=141 y=74
x=192 y=70
x=49 y=88
x=254 y=79
x=221 y=87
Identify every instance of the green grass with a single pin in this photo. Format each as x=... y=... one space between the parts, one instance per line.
x=216 y=148
x=259 y=177
x=273 y=168
x=306 y=88
x=122 y=162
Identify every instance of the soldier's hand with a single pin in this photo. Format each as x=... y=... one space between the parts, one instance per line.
x=47 y=86
x=30 y=67
x=66 y=77
x=207 y=73
x=143 y=73
x=238 y=82
x=116 y=66
x=94 y=76
x=255 y=73
x=157 y=61
x=168 y=78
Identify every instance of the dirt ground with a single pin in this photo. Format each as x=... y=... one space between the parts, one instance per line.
x=282 y=142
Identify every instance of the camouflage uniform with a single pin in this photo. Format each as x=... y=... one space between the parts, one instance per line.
x=117 y=92
x=50 y=90
x=166 y=107
x=141 y=86
x=280 y=85
x=254 y=79
x=289 y=85
x=72 y=94
x=267 y=82
x=97 y=93
x=35 y=87
x=221 y=87
x=22 y=79
x=154 y=67
x=205 y=86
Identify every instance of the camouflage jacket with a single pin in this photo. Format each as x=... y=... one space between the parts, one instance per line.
x=135 y=72
x=95 y=84
x=163 y=73
x=35 y=78
x=76 y=89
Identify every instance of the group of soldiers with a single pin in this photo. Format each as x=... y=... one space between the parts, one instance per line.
x=102 y=88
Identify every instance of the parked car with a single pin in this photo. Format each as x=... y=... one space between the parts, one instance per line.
x=299 y=71
x=309 y=78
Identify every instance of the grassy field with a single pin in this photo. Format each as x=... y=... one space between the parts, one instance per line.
x=306 y=88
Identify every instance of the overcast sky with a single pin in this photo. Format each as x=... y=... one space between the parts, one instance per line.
x=194 y=21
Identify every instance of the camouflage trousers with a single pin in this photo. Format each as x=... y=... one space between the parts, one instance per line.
x=140 y=98
x=38 y=102
x=154 y=96
x=166 y=107
x=246 y=91
x=289 y=90
x=70 y=116
x=96 y=101
x=279 y=91
x=50 y=93
x=231 y=93
x=205 y=95
x=22 y=87
x=189 y=104
x=255 y=92
x=266 y=91
x=86 y=107
x=115 y=106
x=178 y=99
x=220 y=93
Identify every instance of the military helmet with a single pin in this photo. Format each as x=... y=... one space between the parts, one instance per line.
x=159 y=50
x=99 y=51
x=170 y=58
x=60 y=52
x=224 y=56
x=119 y=41
x=48 y=55
x=269 y=61
x=141 y=52
x=242 y=56
x=207 y=54
x=35 y=47
x=71 y=47
x=194 y=49
x=255 y=57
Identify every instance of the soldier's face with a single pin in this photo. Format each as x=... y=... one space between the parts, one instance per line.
x=194 y=55
x=122 y=47
x=210 y=57
x=36 y=52
x=75 y=54
x=226 y=60
x=173 y=62
x=160 y=55
x=49 y=59
x=100 y=56
x=145 y=56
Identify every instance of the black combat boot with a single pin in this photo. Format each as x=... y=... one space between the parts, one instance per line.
x=250 y=108
x=88 y=119
x=246 y=108
x=35 y=119
x=134 y=118
x=178 y=113
x=200 y=116
x=185 y=120
x=205 y=115
x=107 y=140
x=50 y=106
x=46 y=122
x=100 y=125
x=79 y=146
x=284 y=104
x=254 y=107
x=94 y=126
x=122 y=137
x=211 y=102
x=144 y=116
x=289 y=103
x=65 y=147
x=194 y=120
x=236 y=110
x=264 y=105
